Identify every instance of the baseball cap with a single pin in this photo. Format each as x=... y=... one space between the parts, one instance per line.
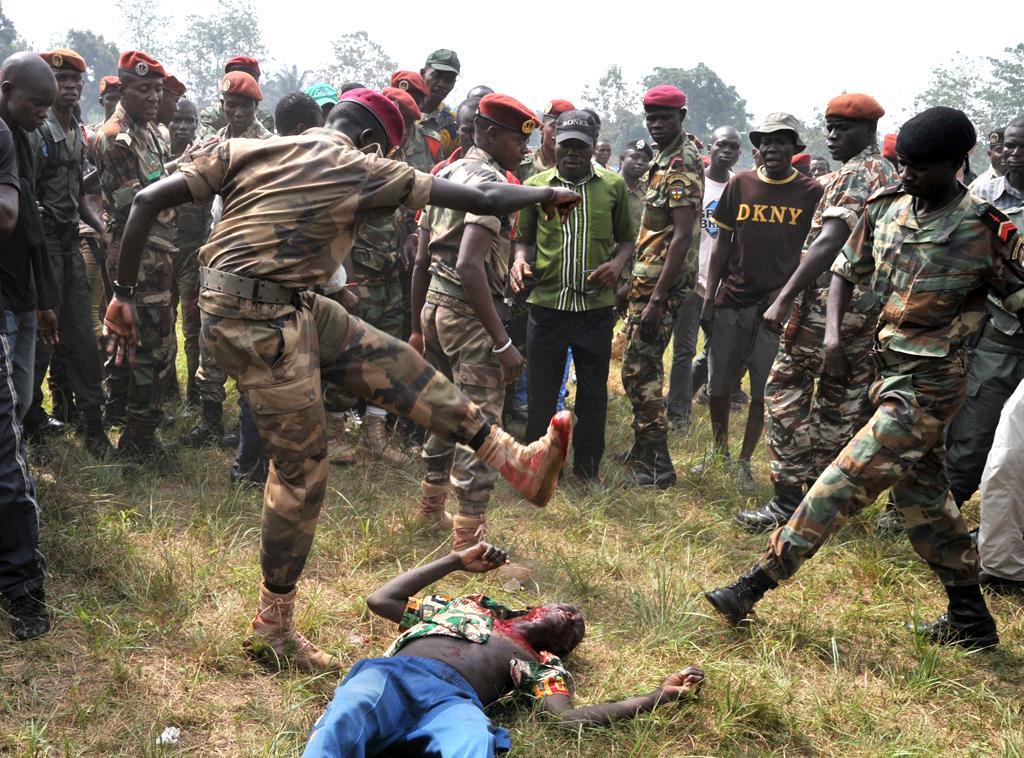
x=444 y=60
x=576 y=124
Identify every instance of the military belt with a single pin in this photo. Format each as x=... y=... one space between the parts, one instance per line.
x=259 y=290
x=1007 y=340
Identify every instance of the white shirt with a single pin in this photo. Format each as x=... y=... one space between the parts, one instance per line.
x=708 y=231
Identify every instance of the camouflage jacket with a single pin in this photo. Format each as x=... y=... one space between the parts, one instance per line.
x=292 y=208
x=421 y=149
x=675 y=180
x=255 y=130
x=212 y=119
x=130 y=156
x=1010 y=201
x=442 y=122
x=447 y=226
x=636 y=201
x=532 y=165
x=932 y=273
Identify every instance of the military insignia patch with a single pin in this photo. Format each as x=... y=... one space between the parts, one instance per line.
x=1017 y=251
x=675 y=192
x=225 y=85
x=404 y=84
x=56 y=60
x=997 y=221
x=141 y=68
x=528 y=127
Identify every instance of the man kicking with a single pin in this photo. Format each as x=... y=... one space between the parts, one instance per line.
x=455 y=656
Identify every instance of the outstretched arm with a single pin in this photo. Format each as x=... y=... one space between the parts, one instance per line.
x=499 y=198
x=681 y=684
x=390 y=600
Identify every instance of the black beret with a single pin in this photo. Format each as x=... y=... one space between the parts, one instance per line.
x=937 y=134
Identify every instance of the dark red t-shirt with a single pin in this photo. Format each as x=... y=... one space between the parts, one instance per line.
x=770 y=219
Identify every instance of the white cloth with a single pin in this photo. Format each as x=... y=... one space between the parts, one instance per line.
x=1001 y=535
x=708 y=231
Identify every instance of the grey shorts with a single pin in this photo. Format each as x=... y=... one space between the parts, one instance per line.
x=739 y=341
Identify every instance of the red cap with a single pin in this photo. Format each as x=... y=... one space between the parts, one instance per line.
x=240 y=83
x=508 y=113
x=410 y=80
x=109 y=82
x=64 y=58
x=706 y=159
x=385 y=111
x=855 y=106
x=404 y=101
x=802 y=159
x=664 y=96
x=889 y=147
x=557 y=107
x=251 y=66
x=135 y=63
x=175 y=87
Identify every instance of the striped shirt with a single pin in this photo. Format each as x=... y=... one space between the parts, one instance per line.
x=568 y=253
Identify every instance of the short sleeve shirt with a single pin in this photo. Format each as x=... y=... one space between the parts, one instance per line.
x=675 y=180
x=292 y=206
x=8 y=158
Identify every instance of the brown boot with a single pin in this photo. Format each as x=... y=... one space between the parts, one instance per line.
x=431 y=506
x=340 y=451
x=532 y=469
x=276 y=641
x=467 y=531
x=375 y=441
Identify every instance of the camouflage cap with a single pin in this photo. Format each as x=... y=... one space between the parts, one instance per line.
x=444 y=60
x=778 y=122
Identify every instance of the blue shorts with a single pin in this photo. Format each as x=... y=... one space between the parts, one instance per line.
x=417 y=705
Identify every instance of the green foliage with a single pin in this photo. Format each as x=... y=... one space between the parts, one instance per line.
x=10 y=41
x=357 y=58
x=618 y=103
x=710 y=102
x=277 y=84
x=101 y=56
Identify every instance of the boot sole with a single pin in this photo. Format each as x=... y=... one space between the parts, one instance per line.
x=562 y=426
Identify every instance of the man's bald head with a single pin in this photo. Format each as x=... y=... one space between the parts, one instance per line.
x=727 y=131
x=27 y=90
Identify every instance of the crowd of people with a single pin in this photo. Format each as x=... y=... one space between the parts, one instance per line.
x=381 y=255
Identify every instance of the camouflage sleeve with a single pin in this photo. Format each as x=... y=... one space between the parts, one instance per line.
x=390 y=184
x=684 y=179
x=845 y=196
x=206 y=173
x=542 y=678
x=623 y=226
x=856 y=261
x=119 y=174
x=423 y=609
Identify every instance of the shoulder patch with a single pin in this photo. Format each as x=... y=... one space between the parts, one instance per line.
x=678 y=163
x=675 y=193
x=123 y=138
x=997 y=221
x=888 y=191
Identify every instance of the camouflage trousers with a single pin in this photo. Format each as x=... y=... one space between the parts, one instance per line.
x=643 y=371
x=139 y=389
x=901 y=447
x=185 y=293
x=210 y=377
x=457 y=345
x=380 y=300
x=278 y=365
x=809 y=416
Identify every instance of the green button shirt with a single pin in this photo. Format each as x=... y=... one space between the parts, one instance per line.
x=568 y=253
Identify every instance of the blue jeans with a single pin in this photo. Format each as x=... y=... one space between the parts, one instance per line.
x=419 y=705
x=21 y=337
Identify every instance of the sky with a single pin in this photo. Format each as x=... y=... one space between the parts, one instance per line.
x=786 y=56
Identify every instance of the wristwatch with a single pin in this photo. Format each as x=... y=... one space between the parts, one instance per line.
x=123 y=291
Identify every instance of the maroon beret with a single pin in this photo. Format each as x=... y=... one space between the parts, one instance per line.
x=135 y=63
x=63 y=57
x=174 y=86
x=240 y=83
x=403 y=100
x=385 y=111
x=557 y=107
x=109 y=82
x=508 y=113
x=664 y=96
x=801 y=159
x=410 y=80
x=244 y=63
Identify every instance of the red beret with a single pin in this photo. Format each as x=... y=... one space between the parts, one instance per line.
x=385 y=111
x=508 y=113
x=664 y=96
x=856 y=106
x=172 y=85
x=135 y=63
x=240 y=83
x=410 y=80
x=557 y=107
x=109 y=82
x=889 y=147
x=404 y=101
x=802 y=159
x=244 y=63
x=63 y=57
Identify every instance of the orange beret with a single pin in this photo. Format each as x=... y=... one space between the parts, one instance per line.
x=174 y=86
x=410 y=80
x=856 y=106
x=135 y=63
x=889 y=147
x=244 y=63
x=404 y=101
x=802 y=159
x=64 y=58
x=557 y=107
x=109 y=82
x=508 y=113
x=240 y=83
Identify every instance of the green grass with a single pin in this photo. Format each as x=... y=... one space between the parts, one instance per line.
x=153 y=581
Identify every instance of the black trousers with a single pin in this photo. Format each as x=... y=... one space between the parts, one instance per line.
x=549 y=335
x=21 y=564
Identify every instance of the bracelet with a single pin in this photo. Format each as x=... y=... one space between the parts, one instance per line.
x=124 y=291
x=503 y=348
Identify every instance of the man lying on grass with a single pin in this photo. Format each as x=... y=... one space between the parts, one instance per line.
x=426 y=695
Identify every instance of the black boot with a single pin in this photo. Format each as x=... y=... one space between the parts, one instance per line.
x=736 y=601
x=655 y=469
x=29 y=617
x=139 y=445
x=967 y=622
x=635 y=453
x=96 y=441
x=774 y=513
x=210 y=429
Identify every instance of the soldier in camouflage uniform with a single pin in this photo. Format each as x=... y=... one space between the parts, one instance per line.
x=268 y=329
x=665 y=267
x=213 y=118
x=439 y=74
x=931 y=252
x=543 y=157
x=240 y=99
x=634 y=163
x=462 y=325
x=810 y=416
x=129 y=157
